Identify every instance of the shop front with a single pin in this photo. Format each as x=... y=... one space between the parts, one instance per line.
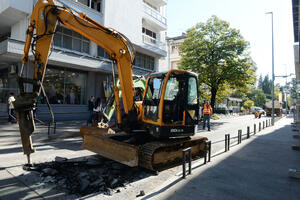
x=8 y=84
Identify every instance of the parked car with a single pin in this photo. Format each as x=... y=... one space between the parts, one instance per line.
x=254 y=109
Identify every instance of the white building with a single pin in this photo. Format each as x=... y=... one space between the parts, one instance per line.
x=78 y=68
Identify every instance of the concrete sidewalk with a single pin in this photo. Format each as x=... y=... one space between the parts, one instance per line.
x=256 y=169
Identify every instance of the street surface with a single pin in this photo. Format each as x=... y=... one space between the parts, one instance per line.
x=229 y=125
x=17 y=183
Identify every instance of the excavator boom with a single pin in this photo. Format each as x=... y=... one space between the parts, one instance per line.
x=43 y=21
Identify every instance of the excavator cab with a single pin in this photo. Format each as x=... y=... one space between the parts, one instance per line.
x=170 y=104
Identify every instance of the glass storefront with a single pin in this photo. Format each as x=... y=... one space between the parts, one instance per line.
x=64 y=86
x=8 y=82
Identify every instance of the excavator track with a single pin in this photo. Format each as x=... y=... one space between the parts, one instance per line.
x=138 y=150
x=160 y=155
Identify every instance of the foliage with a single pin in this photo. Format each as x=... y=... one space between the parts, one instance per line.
x=224 y=92
x=257 y=96
x=215 y=116
x=266 y=85
x=249 y=103
x=219 y=55
x=260 y=82
x=242 y=109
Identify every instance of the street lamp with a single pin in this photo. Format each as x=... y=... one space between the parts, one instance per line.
x=273 y=77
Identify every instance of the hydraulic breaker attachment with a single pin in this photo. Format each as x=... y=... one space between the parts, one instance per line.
x=24 y=106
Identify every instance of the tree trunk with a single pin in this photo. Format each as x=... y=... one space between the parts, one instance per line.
x=213 y=98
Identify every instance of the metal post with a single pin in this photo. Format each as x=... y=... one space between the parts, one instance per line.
x=259 y=127
x=226 y=142
x=266 y=123
x=270 y=121
x=263 y=124
x=254 y=129
x=189 y=150
x=209 y=150
x=239 y=136
x=248 y=132
x=183 y=164
x=273 y=76
x=190 y=161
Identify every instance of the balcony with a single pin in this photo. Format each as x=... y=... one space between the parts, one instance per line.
x=13 y=11
x=80 y=7
x=155 y=17
x=158 y=2
x=154 y=45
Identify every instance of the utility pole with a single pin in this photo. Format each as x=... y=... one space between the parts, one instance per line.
x=273 y=77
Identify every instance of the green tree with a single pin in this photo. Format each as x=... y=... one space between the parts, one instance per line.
x=257 y=96
x=260 y=82
x=267 y=85
x=248 y=104
x=219 y=55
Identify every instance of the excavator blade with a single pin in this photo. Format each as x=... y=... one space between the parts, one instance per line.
x=142 y=150
x=111 y=148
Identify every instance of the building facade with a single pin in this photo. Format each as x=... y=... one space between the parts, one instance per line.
x=295 y=5
x=78 y=68
x=173 y=58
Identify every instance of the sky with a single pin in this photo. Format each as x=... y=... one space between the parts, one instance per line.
x=249 y=17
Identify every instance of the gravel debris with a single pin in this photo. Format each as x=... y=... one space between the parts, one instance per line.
x=84 y=176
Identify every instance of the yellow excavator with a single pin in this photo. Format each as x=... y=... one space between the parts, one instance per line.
x=150 y=133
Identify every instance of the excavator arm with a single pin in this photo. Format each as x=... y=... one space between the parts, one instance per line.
x=43 y=21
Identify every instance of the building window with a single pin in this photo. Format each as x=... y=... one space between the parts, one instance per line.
x=102 y=53
x=64 y=86
x=95 y=4
x=72 y=40
x=174 y=49
x=144 y=61
x=149 y=32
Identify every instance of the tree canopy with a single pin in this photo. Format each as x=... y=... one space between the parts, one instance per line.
x=219 y=55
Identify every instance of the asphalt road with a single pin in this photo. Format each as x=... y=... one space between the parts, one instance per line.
x=48 y=149
x=229 y=125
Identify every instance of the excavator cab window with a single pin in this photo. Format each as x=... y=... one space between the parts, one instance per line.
x=181 y=96
x=152 y=98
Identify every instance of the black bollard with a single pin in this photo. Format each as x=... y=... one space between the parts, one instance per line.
x=239 y=136
x=184 y=151
x=254 y=129
x=248 y=132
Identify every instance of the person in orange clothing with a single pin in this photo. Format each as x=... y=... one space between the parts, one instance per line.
x=206 y=115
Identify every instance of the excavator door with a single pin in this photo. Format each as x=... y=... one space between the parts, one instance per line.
x=170 y=104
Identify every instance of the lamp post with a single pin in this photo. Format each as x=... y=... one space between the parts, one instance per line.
x=273 y=77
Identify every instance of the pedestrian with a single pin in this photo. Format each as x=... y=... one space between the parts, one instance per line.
x=206 y=115
x=91 y=107
x=11 y=113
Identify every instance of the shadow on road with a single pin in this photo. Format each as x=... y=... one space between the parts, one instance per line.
x=258 y=170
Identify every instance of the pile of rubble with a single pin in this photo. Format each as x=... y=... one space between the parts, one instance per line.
x=85 y=176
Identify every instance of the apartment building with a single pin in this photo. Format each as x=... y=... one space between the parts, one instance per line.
x=173 y=58
x=78 y=68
